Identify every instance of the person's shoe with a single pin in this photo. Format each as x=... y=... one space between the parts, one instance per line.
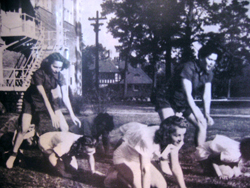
x=11 y=160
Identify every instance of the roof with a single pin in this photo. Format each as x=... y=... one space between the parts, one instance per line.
x=137 y=76
x=105 y=66
x=134 y=76
x=13 y=6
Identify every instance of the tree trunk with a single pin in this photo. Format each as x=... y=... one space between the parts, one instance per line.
x=229 y=89
x=125 y=78
x=168 y=60
x=155 y=77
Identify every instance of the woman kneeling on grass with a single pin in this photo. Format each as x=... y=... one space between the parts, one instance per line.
x=228 y=157
x=142 y=144
x=61 y=148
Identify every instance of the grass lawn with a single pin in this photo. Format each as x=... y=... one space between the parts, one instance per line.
x=33 y=171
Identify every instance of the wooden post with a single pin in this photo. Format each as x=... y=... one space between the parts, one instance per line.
x=96 y=29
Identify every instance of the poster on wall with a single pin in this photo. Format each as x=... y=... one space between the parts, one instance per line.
x=121 y=93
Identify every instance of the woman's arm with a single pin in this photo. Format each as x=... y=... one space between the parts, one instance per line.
x=145 y=171
x=65 y=96
x=176 y=167
x=91 y=160
x=207 y=102
x=106 y=141
x=218 y=171
x=187 y=85
x=92 y=163
x=54 y=119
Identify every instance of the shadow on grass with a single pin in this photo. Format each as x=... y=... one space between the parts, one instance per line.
x=40 y=164
x=91 y=179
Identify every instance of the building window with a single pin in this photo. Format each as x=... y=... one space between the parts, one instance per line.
x=46 y=4
x=68 y=11
x=135 y=88
x=117 y=77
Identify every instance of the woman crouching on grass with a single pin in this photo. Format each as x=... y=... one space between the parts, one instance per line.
x=143 y=144
x=62 y=148
x=228 y=157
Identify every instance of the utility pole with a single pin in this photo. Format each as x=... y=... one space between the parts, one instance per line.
x=96 y=30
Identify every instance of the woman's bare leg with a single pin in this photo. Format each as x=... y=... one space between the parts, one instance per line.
x=201 y=132
x=157 y=179
x=53 y=159
x=63 y=123
x=26 y=120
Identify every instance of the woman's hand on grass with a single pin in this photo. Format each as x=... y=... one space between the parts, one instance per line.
x=224 y=177
x=98 y=173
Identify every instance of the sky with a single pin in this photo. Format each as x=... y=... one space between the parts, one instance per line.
x=105 y=38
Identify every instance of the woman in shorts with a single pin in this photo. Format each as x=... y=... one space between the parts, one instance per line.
x=43 y=95
x=177 y=95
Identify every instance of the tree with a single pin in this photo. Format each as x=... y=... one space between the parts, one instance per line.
x=88 y=62
x=234 y=29
x=149 y=30
x=144 y=29
x=193 y=17
x=125 y=27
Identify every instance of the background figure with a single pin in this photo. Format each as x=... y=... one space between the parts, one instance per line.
x=96 y=126
x=43 y=96
x=62 y=148
x=228 y=157
x=176 y=96
x=143 y=144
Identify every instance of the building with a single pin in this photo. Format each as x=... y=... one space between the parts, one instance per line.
x=111 y=75
x=139 y=84
x=30 y=30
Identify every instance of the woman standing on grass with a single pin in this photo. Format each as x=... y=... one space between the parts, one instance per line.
x=177 y=95
x=142 y=144
x=43 y=95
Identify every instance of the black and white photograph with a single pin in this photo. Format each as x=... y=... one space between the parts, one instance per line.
x=125 y=93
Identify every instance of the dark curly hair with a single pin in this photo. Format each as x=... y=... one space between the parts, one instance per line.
x=167 y=127
x=46 y=63
x=78 y=145
x=103 y=122
x=208 y=49
x=245 y=149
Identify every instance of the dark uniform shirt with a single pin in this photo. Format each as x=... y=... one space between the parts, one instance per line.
x=173 y=94
x=49 y=81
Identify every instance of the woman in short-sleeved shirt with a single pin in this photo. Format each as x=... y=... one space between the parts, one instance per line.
x=62 y=148
x=228 y=157
x=177 y=95
x=142 y=144
x=173 y=93
x=44 y=93
x=49 y=82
